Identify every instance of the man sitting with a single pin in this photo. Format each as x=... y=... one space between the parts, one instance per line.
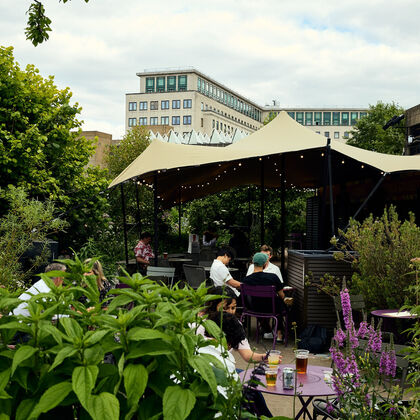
x=261 y=278
x=219 y=273
x=143 y=251
x=270 y=268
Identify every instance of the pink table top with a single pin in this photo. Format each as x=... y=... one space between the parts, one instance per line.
x=312 y=382
x=393 y=313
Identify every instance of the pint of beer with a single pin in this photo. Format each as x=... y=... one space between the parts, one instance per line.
x=271 y=377
x=301 y=361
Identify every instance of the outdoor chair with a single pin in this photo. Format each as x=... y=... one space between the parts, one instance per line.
x=205 y=263
x=194 y=275
x=162 y=274
x=268 y=292
x=320 y=409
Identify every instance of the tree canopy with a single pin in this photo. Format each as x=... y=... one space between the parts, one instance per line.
x=369 y=134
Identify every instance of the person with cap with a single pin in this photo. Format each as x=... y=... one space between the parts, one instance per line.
x=261 y=278
x=270 y=268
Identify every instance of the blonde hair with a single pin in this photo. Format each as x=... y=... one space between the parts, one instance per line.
x=98 y=271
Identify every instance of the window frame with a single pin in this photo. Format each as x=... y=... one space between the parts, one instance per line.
x=188 y=102
x=150 y=87
x=186 y=120
x=164 y=104
x=142 y=121
x=132 y=122
x=176 y=120
x=132 y=106
x=177 y=102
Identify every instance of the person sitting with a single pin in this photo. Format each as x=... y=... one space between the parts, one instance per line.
x=143 y=252
x=219 y=273
x=261 y=278
x=271 y=268
x=104 y=286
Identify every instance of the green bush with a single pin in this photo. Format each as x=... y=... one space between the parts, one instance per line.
x=157 y=371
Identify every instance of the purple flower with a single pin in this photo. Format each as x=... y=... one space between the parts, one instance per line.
x=383 y=362
x=363 y=329
x=340 y=337
x=330 y=408
x=346 y=307
x=374 y=340
x=391 y=365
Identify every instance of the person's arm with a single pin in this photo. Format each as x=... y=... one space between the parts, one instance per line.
x=141 y=260
x=234 y=283
x=281 y=294
x=248 y=355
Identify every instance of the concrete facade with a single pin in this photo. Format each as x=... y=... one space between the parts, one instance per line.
x=103 y=141
x=412 y=122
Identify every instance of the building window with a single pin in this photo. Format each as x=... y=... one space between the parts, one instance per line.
x=171 y=81
x=363 y=114
x=318 y=118
x=150 y=84
x=187 y=103
x=344 y=118
x=327 y=118
x=132 y=122
x=336 y=134
x=354 y=118
x=217 y=125
x=327 y=134
x=132 y=106
x=187 y=119
x=142 y=121
x=336 y=118
x=176 y=120
x=317 y=132
x=198 y=84
x=299 y=117
x=160 y=84
x=143 y=105
x=154 y=105
x=291 y=114
x=164 y=104
x=164 y=120
x=182 y=82
x=346 y=134
x=202 y=122
x=176 y=104
x=153 y=120
x=308 y=118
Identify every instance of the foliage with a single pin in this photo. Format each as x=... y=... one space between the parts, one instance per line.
x=28 y=220
x=383 y=248
x=38 y=24
x=270 y=117
x=41 y=151
x=369 y=134
x=363 y=374
x=328 y=284
x=141 y=363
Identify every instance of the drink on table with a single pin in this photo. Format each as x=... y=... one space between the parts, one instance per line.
x=271 y=377
x=274 y=358
x=301 y=361
x=288 y=378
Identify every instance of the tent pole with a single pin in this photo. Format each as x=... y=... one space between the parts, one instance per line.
x=138 y=210
x=330 y=186
x=249 y=216
x=155 y=217
x=179 y=214
x=262 y=202
x=283 y=214
x=124 y=224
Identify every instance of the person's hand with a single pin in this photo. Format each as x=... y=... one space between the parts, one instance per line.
x=288 y=301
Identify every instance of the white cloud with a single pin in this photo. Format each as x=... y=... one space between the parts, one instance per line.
x=324 y=53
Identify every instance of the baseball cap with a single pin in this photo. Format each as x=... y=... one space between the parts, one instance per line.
x=260 y=259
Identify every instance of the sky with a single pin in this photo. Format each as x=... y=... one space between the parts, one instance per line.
x=300 y=53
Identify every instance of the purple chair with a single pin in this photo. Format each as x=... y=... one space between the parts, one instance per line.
x=268 y=292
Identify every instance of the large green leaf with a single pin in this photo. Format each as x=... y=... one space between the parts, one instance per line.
x=104 y=406
x=63 y=354
x=51 y=398
x=83 y=381
x=50 y=329
x=25 y=408
x=135 y=381
x=150 y=348
x=98 y=335
x=22 y=353
x=72 y=328
x=205 y=370
x=139 y=333
x=177 y=403
x=188 y=343
x=4 y=378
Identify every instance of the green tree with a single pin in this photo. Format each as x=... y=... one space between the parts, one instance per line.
x=269 y=117
x=369 y=134
x=41 y=150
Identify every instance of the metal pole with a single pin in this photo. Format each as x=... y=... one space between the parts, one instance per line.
x=330 y=186
x=262 y=202
x=283 y=215
x=155 y=217
x=179 y=214
x=249 y=217
x=138 y=210
x=124 y=224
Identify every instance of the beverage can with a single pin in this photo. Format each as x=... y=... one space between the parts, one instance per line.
x=288 y=378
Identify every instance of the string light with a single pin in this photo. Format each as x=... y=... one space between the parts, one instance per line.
x=301 y=156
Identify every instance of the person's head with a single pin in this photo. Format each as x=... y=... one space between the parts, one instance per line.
x=146 y=237
x=260 y=261
x=226 y=303
x=266 y=249
x=224 y=255
x=58 y=281
x=98 y=272
x=231 y=327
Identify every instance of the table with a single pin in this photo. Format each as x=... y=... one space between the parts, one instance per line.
x=389 y=317
x=313 y=385
x=393 y=313
x=179 y=260
x=231 y=269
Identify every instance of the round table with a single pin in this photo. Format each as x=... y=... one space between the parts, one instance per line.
x=310 y=385
x=392 y=325
x=393 y=313
x=231 y=269
x=179 y=260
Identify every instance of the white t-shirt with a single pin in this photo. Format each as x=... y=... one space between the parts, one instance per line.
x=271 y=268
x=220 y=275
x=38 y=287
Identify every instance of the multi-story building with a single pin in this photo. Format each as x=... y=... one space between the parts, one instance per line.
x=186 y=99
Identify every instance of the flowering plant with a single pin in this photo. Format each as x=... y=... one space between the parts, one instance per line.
x=364 y=370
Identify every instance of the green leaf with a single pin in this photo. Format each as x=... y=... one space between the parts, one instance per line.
x=95 y=337
x=83 y=381
x=94 y=355
x=22 y=353
x=150 y=348
x=104 y=406
x=212 y=328
x=51 y=398
x=72 y=328
x=135 y=381
x=63 y=354
x=52 y=330
x=205 y=370
x=177 y=403
x=25 y=408
x=139 y=333
x=188 y=343
x=4 y=378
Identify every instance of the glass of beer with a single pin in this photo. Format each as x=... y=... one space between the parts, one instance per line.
x=271 y=377
x=301 y=361
x=274 y=358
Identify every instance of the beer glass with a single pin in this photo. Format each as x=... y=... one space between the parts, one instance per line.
x=301 y=361
x=271 y=377
x=274 y=358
